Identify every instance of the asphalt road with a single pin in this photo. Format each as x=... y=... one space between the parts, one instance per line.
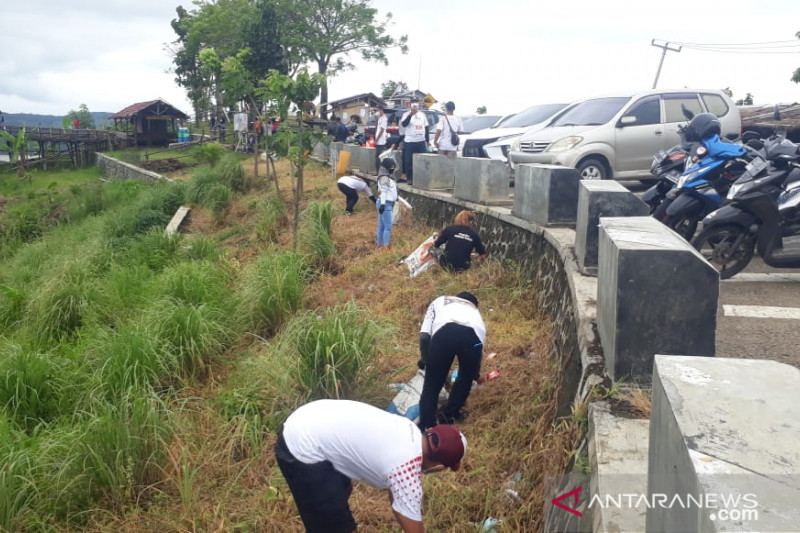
x=772 y=333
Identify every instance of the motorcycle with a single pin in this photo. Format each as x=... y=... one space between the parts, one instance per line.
x=702 y=186
x=667 y=167
x=763 y=207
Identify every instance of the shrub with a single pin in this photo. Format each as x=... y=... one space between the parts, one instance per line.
x=195 y=283
x=218 y=198
x=315 y=232
x=202 y=248
x=130 y=362
x=231 y=172
x=155 y=249
x=12 y=307
x=208 y=153
x=29 y=385
x=271 y=215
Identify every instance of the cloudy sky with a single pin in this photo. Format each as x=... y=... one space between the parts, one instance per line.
x=502 y=54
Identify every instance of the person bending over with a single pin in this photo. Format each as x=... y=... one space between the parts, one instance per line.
x=350 y=187
x=460 y=240
x=327 y=443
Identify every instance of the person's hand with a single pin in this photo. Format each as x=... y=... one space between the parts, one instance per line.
x=374 y=200
x=381 y=209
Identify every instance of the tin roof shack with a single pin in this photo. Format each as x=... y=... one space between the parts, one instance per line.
x=359 y=105
x=762 y=120
x=151 y=123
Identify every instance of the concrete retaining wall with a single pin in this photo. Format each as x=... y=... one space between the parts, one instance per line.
x=114 y=168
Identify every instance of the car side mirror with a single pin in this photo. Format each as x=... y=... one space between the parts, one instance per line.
x=626 y=121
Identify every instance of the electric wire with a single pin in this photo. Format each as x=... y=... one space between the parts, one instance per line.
x=765 y=47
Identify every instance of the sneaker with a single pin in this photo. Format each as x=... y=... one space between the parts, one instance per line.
x=347 y=213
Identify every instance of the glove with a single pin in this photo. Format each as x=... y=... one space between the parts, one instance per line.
x=381 y=209
x=421 y=364
x=373 y=199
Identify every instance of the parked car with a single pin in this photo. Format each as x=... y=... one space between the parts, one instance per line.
x=510 y=128
x=478 y=122
x=467 y=136
x=394 y=115
x=615 y=136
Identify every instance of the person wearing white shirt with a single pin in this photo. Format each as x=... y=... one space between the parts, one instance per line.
x=350 y=186
x=387 y=196
x=381 y=135
x=415 y=139
x=448 y=126
x=453 y=327
x=325 y=444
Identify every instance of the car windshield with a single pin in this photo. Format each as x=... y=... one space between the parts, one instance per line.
x=473 y=124
x=592 y=112
x=533 y=115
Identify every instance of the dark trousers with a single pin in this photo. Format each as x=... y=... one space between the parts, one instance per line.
x=409 y=149
x=320 y=492
x=451 y=341
x=351 y=196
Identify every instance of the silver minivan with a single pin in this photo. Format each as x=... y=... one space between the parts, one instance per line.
x=615 y=136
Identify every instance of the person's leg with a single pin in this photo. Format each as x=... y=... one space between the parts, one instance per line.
x=469 y=351
x=408 y=152
x=379 y=149
x=379 y=236
x=386 y=224
x=319 y=491
x=351 y=197
x=441 y=353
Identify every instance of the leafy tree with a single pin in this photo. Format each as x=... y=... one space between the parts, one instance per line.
x=294 y=139
x=327 y=31
x=18 y=149
x=747 y=100
x=481 y=110
x=185 y=51
x=390 y=87
x=262 y=37
x=84 y=116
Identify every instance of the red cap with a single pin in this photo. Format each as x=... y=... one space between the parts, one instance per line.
x=447 y=445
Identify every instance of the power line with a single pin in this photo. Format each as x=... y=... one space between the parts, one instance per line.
x=735 y=44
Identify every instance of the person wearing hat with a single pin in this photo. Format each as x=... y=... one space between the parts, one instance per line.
x=326 y=444
x=350 y=187
x=387 y=196
x=452 y=328
x=446 y=130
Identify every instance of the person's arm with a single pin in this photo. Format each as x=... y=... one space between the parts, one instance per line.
x=479 y=247
x=438 y=134
x=408 y=525
x=406 y=119
x=441 y=239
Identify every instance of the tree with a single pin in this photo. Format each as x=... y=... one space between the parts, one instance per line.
x=18 y=149
x=84 y=116
x=263 y=40
x=185 y=51
x=747 y=100
x=481 y=110
x=391 y=87
x=327 y=31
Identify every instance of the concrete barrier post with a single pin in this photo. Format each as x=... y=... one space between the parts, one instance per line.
x=483 y=181
x=655 y=294
x=433 y=172
x=600 y=198
x=367 y=160
x=546 y=194
x=725 y=432
x=321 y=150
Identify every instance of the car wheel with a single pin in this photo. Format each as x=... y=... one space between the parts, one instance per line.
x=592 y=169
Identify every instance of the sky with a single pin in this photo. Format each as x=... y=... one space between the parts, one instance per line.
x=505 y=55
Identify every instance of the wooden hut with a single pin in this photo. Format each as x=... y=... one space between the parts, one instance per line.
x=151 y=123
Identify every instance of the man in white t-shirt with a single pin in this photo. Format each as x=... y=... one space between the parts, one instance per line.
x=327 y=443
x=453 y=327
x=381 y=135
x=447 y=126
x=415 y=139
x=350 y=186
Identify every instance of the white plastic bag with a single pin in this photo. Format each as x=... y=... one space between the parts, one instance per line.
x=421 y=259
x=406 y=402
x=400 y=206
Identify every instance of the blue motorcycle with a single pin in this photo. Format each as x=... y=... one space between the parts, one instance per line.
x=704 y=184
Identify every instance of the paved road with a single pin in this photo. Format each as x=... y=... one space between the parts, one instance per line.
x=744 y=327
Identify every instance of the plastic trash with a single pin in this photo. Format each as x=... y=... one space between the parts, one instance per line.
x=490 y=524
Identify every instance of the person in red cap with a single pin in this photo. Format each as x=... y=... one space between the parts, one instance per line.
x=325 y=444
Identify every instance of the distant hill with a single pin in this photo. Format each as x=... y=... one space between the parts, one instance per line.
x=47 y=121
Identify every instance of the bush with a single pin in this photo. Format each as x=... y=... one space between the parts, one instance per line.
x=155 y=249
x=209 y=153
x=315 y=232
x=29 y=385
x=231 y=172
x=271 y=216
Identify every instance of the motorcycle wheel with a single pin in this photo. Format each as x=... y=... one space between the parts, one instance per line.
x=717 y=245
x=684 y=226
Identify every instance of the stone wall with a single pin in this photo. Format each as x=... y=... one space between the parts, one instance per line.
x=564 y=295
x=114 y=168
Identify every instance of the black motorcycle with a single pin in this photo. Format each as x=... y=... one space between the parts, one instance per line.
x=763 y=207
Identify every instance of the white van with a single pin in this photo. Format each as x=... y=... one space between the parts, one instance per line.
x=616 y=136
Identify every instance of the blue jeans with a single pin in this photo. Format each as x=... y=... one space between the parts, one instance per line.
x=385 y=225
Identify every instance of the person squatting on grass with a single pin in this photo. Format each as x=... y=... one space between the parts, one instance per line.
x=387 y=196
x=326 y=444
x=459 y=240
x=453 y=327
x=350 y=186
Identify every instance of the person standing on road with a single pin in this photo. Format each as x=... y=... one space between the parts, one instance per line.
x=453 y=327
x=415 y=139
x=459 y=241
x=446 y=130
x=381 y=135
x=325 y=444
x=350 y=187
x=387 y=196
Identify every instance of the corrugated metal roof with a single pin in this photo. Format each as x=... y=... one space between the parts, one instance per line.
x=141 y=106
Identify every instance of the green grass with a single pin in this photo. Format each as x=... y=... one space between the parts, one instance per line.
x=271 y=218
x=315 y=233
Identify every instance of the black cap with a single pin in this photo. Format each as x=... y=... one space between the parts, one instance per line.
x=468 y=296
x=450 y=106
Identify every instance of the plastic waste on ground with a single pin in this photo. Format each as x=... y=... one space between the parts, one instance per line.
x=406 y=402
x=421 y=259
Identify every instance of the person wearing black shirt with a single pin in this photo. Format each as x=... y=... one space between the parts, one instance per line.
x=460 y=240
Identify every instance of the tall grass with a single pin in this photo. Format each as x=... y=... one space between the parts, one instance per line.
x=17 y=492
x=270 y=289
x=29 y=385
x=315 y=233
x=271 y=217
x=231 y=172
x=334 y=351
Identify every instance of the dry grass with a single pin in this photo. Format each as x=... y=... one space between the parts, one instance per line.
x=212 y=485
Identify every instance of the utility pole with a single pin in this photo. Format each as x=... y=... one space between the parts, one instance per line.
x=664 y=47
